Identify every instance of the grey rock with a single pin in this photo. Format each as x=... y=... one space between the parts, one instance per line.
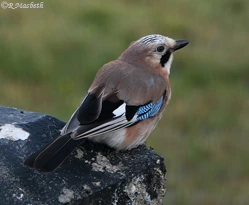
x=93 y=174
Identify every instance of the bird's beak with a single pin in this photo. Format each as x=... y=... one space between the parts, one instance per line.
x=180 y=44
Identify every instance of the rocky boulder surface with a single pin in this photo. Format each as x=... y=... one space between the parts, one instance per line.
x=93 y=173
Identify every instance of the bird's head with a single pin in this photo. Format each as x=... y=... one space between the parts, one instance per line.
x=154 y=50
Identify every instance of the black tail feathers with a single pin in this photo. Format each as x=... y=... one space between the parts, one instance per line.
x=49 y=158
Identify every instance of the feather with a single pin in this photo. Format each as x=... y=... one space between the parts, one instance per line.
x=133 y=85
x=130 y=111
x=109 y=126
x=120 y=121
x=51 y=157
x=90 y=109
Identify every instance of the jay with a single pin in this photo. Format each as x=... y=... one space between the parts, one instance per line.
x=123 y=105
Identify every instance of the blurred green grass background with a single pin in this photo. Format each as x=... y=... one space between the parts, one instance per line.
x=49 y=57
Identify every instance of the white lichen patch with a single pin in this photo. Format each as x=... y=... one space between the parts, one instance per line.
x=115 y=198
x=162 y=189
x=10 y=132
x=66 y=196
x=86 y=187
x=96 y=183
x=79 y=154
x=18 y=197
x=103 y=164
x=136 y=191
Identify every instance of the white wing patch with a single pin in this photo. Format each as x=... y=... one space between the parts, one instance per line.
x=120 y=110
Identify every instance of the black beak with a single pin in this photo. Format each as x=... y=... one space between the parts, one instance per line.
x=180 y=44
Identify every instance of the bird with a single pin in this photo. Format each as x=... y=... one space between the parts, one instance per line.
x=123 y=105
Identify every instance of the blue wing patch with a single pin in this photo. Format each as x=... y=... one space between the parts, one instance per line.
x=149 y=110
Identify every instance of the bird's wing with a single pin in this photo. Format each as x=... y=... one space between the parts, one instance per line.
x=119 y=97
x=122 y=117
x=86 y=113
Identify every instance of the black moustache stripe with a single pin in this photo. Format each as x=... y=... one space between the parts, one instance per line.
x=165 y=58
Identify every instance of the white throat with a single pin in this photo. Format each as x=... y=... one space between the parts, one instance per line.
x=168 y=64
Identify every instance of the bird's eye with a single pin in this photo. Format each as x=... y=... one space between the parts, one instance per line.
x=160 y=49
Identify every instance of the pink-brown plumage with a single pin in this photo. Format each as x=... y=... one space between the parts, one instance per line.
x=124 y=103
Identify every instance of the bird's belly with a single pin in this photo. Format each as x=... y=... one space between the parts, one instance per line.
x=112 y=139
x=129 y=137
x=137 y=134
